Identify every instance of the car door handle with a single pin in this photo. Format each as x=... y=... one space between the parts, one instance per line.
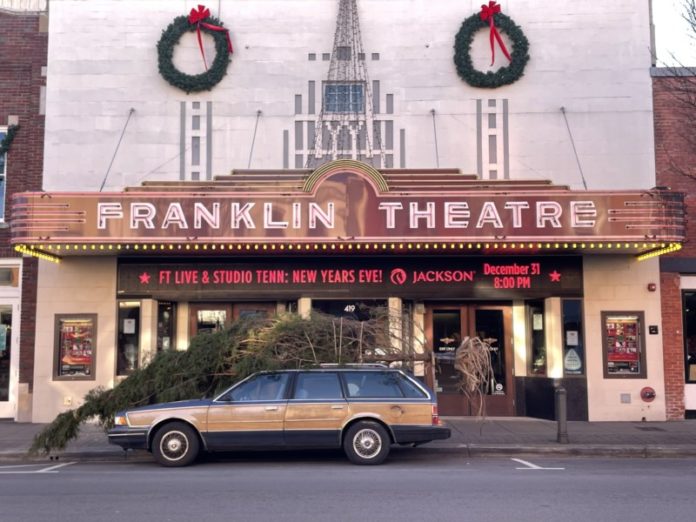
x=336 y=407
x=271 y=408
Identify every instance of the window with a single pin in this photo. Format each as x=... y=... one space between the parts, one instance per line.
x=166 y=314
x=211 y=321
x=689 y=309
x=318 y=386
x=409 y=388
x=75 y=337
x=537 y=339
x=380 y=385
x=262 y=387
x=622 y=340
x=9 y=276
x=3 y=175
x=344 y=53
x=573 y=344
x=344 y=97
x=128 y=345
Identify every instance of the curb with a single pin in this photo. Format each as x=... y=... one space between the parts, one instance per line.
x=570 y=450
x=78 y=456
x=468 y=450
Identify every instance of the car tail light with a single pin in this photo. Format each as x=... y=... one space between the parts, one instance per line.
x=436 y=416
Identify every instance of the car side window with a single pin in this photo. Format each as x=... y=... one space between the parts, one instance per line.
x=264 y=387
x=318 y=386
x=373 y=384
x=410 y=389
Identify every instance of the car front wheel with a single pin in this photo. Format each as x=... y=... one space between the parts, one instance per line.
x=175 y=444
x=366 y=442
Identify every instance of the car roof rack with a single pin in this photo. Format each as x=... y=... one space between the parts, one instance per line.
x=353 y=365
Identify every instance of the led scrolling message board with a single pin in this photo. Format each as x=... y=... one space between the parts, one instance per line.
x=478 y=277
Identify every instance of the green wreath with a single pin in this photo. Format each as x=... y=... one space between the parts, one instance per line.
x=186 y=82
x=7 y=140
x=504 y=75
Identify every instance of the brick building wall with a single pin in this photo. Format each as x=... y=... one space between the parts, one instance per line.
x=23 y=51
x=675 y=159
x=672 y=344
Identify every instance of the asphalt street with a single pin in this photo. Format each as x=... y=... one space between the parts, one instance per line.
x=324 y=486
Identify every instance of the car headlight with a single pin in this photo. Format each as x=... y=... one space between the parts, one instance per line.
x=120 y=420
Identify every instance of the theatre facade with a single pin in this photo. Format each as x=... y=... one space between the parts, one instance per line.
x=563 y=282
x=345 y=154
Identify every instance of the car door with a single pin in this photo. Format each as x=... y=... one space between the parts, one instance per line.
x=316 y=411
x=250 y=415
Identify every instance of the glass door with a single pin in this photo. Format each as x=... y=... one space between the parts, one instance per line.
x=209 y=317
x=213 y=317
x=446 y=326
x=8 y=362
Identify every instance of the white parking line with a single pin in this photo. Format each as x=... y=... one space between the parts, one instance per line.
x=12 y=470
x=529 y=465
x=50 y=470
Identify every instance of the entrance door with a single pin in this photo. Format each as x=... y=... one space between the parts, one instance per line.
x=209 y=317
x=9 y=360
x=212 y=317
x=446 y=326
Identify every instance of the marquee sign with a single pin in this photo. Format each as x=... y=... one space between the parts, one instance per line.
x=444 y=277
x=345 y=206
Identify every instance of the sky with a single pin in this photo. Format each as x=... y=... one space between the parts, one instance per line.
x=673 y=36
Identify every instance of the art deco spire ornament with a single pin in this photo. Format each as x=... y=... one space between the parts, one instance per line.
x=345 y=126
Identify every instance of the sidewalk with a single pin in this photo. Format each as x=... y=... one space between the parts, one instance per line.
x=494 y=436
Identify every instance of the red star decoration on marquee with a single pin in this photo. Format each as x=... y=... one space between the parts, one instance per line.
x=555 y=276
x=144 y=278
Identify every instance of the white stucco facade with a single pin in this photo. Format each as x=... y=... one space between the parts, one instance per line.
x=579 y=61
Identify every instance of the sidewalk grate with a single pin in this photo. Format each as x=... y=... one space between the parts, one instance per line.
x=649 y=428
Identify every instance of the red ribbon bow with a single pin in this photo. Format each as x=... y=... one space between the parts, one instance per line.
x=487 y=14
x=196 y=17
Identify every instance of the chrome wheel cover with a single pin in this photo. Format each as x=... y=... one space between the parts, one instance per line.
x=367 y=443
x=174 y=446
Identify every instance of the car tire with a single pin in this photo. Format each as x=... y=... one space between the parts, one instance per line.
x=366 y=443
x=176 y=444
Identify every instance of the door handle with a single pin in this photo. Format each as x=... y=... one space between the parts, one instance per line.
x=271 y=408
x=336 y=407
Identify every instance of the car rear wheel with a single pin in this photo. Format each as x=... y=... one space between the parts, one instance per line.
x=175 y=444
x=366 y=442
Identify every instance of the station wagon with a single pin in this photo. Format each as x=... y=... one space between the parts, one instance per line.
x=360 y=409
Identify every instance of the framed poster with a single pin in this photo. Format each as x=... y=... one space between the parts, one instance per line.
x=75 y=346
x=623 y=344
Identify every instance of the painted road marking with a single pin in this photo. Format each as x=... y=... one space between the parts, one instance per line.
x=52 y=468
x=529 y=465
x=13 y=470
